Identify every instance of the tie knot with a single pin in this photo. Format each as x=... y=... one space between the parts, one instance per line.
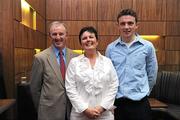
x=60 y=53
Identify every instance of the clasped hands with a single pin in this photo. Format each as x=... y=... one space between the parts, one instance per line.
x=94 y=113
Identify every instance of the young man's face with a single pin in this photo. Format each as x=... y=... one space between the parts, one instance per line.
x=127 y=27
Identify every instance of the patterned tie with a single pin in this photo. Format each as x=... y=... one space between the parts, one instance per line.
x=62 y=65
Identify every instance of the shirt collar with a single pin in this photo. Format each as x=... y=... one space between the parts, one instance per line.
x=137 y=39
x=84 y=57
x=57 y=51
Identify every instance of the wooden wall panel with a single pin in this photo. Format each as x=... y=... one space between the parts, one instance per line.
x=172 y=57
x=109 y=9
x=23 y=67
x=159 y=43
x=17 y=10
x=173 y=10
x=150 y=9
x=38 y=5
x=71 y=10
x=172 y=43
x=169 y=68
x=157 y=17
x=107 y=28
x=172 y=28
x=80 y=9
x=73 y=42
x=53 y=9
x=7 y=44
x=25 y=37
x=104 y=41
x=152 y=28
x=161 y=57
x=40 y=23
x=66 y=9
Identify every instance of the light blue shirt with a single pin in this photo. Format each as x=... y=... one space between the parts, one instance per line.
x=136 y=67
x=57 y=54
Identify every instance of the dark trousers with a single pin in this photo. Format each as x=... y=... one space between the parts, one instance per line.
x=132 y=110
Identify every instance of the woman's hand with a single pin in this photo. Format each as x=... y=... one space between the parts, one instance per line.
x=92 y=113
x=100 y=109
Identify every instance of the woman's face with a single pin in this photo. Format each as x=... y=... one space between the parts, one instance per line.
x=89 y=41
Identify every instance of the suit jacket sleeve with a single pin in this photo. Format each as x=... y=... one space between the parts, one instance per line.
x=36 y=80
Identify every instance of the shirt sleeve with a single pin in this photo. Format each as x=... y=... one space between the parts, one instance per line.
x=108 y=101
x=70 y=84
x=152 y=67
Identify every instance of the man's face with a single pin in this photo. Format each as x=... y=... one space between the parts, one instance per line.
x=58 y=35
x=127 y=27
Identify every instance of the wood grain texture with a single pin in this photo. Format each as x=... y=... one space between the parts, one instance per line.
x=152 y=28
x=17 y=10
x=109 y=9
x=172 y=58
x=172 y=43
x=104 y=41
x=53 y=9
x=40 y=24
x=150 y=9
x=88 y=8
x=172 y=28
x=161 y=57
x=173 y=10
x=38 y=5
x=108 y=28
x=25 y=56
x=25 y=37
x=7 y=44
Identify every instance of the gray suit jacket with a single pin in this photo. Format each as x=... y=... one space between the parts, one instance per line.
x=48 y=88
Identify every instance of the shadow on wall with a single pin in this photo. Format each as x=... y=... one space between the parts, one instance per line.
x=2 y=85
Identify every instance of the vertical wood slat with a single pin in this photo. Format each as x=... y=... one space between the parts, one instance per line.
x=172 y=43
x=53 y=9
x=40 y=24
x=6 y=32
x=23 y=67
x=17 y=10
x=172 y=28
x=28 y=38
x=109 y=9
x=173 y=10
x=38 y=5
x=150 y=9
x=172 y=57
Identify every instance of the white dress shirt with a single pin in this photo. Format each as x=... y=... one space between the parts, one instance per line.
x=90 y=87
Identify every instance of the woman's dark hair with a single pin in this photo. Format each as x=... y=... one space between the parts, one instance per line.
x=88 y=29
x=127 y=12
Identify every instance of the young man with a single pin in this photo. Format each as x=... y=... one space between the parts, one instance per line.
x=135 y=62
x=48 y=82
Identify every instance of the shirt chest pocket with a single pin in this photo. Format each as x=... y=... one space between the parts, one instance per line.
x=139 y=60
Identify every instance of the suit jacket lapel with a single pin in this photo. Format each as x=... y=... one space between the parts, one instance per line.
x=68 y=56
x=53 y=63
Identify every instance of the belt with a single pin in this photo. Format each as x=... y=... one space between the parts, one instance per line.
x=127 y=100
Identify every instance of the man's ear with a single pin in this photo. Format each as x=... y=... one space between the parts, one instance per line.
x=137 y=25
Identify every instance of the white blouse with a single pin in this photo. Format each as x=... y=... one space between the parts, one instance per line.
x=90 y=87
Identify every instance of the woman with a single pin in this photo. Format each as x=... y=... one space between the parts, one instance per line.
x=91 y=81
